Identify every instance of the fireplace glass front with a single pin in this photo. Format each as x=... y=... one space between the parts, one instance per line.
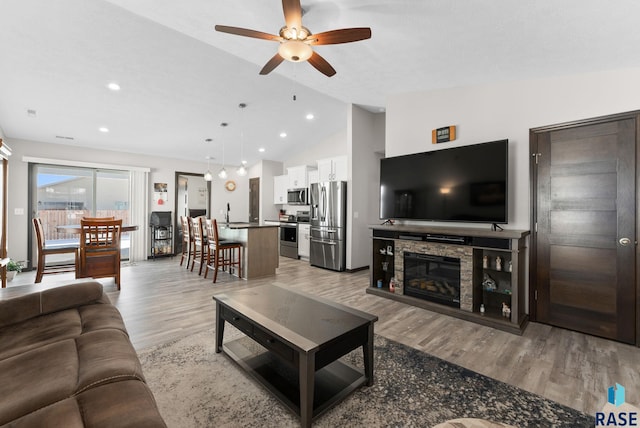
x=434 y=278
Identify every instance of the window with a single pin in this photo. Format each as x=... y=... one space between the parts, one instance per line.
x=62 y=195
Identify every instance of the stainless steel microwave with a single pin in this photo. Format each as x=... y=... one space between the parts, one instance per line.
x=298 y=196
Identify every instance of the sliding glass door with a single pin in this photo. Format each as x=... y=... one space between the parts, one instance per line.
x=62 y=195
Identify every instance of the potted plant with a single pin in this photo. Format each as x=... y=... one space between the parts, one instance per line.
x=13 y=267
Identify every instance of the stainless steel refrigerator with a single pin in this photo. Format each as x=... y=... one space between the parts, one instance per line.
x=328 y=219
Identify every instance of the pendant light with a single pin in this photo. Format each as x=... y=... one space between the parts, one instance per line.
x=207 y=175
x=242 y=171
x=223 y=172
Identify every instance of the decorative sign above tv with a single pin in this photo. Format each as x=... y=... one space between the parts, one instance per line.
x=442 y=135
x=461 y=184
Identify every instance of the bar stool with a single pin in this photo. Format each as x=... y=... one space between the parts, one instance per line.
x=199 y=244
x=223 y=252
x=186 y=240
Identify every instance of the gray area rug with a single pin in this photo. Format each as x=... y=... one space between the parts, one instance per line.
x=195 y=387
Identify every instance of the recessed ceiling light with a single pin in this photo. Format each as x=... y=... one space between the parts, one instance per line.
x=103 y=129
x=113 y=86
x=261 y=149
x=310 y=116
x=283 y=134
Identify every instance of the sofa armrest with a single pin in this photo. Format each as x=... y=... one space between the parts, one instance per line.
x=22 y=308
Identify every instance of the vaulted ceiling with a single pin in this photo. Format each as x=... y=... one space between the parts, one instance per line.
x=180 y=79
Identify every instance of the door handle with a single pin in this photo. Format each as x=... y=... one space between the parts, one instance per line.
x=624 y=241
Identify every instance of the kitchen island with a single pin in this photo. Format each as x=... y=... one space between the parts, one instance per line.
x=260 y=246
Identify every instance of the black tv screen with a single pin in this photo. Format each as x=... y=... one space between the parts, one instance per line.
x=461 y=184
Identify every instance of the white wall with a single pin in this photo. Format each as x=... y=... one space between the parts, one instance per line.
x=270 y=169
x=366 y=142
x=507 y=110
x=335 y=145
x=162 y=171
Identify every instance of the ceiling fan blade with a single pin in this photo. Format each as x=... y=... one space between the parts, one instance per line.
x=273 y=63
x=321 y=65
x=247 y=33
x=292 y=13
x=345 y=35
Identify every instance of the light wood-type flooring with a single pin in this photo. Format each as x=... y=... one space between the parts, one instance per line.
x=161 y=301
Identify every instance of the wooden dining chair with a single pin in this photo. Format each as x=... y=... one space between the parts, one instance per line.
x=98 y=218
x=185 y=223
x=198 y=244
x=45 y=250
x=100 y=249
x=221 y=254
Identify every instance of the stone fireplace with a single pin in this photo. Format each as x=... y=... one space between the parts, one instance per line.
x=433 y=278
x=463 y=253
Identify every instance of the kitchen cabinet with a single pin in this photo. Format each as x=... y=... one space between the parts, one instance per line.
x=298 y=177
x=313 y=177
x=304 y=236
x=333 y=169
x=280 y=186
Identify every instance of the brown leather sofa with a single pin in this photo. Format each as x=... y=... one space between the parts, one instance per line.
x=66 y=361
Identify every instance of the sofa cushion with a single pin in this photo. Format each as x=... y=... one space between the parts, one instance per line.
x=54 y=372
x=39 y=331
x=125 y=404
x=100 y=317
x=19 y=309
x=37 y=378
x=106 y=356
x=50 y=328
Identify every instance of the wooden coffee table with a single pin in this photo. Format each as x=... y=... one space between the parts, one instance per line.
x=296 y=340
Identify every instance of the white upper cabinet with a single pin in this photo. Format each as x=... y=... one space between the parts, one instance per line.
x=313 y=177
x=332 y=169
x=280 y=186
x=298 y=177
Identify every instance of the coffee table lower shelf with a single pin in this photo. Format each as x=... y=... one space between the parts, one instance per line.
x=332 y=384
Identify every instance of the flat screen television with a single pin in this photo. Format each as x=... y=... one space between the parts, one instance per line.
x=460 y=184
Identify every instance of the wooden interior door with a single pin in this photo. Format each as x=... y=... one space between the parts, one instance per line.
x=584 y=254
x=254 y=200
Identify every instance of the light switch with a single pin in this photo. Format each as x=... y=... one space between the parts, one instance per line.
x=356 y=214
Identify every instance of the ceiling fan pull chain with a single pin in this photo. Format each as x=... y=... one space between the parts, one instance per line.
x=294 y=82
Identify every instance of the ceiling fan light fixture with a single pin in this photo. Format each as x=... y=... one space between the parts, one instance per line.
x=294 y=33
x=295 y=51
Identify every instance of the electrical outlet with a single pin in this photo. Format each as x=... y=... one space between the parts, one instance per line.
x=18 y=211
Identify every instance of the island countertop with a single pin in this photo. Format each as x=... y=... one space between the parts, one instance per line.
x=260 y=244
x=242 y=225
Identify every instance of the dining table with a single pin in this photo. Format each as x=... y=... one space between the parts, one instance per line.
x=77 y=229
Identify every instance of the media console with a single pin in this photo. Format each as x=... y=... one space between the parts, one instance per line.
x=491 y=269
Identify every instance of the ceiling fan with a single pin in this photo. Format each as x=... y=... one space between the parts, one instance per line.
x=296 y=40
